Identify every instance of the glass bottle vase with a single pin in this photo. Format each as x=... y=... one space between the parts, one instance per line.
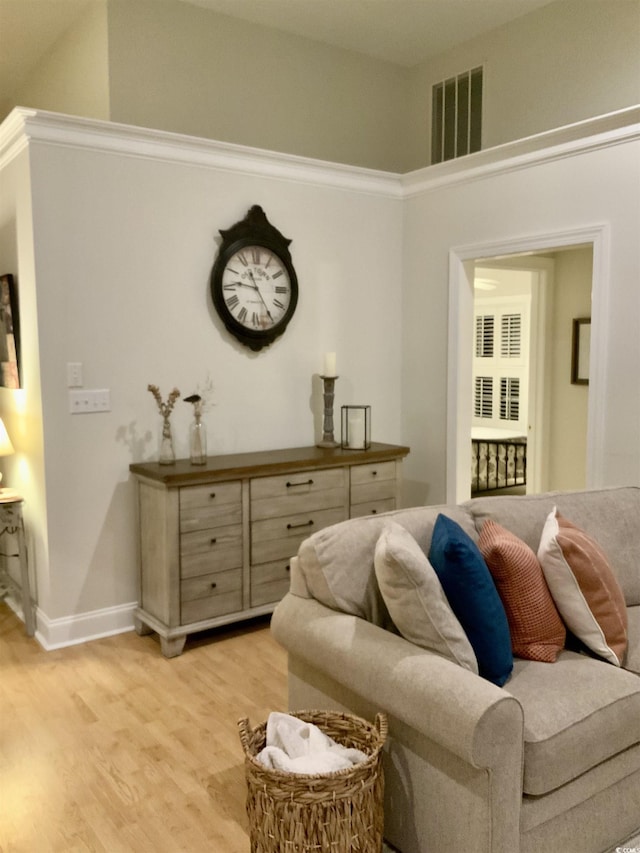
x=167 y=454
x=198 y=443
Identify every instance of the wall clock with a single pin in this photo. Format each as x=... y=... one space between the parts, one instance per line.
x=253 y=283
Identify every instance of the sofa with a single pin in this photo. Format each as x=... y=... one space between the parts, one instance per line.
x=546 y=762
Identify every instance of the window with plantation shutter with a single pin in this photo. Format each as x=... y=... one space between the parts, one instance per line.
x=509 y=399
x=483 y=404
x=484 y=336
x=500 y=346
x=510 y=336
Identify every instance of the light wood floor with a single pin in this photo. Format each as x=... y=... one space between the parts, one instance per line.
x=108 y=746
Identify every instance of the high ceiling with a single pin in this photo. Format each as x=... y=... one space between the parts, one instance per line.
x=400 y=31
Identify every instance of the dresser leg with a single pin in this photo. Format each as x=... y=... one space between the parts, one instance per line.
x=142 y=629
x=173 y=647
x=27 y=604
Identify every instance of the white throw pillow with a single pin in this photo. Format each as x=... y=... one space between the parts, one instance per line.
x=415 y=598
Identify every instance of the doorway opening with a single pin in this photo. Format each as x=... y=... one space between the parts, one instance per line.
x=551 y=428
x=503 y=362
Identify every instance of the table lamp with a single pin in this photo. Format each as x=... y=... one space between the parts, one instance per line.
x=6 y=448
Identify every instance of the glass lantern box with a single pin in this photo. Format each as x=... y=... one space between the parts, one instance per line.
x=356 y=427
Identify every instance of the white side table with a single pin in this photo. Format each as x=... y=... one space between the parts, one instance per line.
x=13 y=539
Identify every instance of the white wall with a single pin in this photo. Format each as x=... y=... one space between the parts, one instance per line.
x=124 y=246
x=178 y=67
x=565 y=62
x=568 y=403
x=21 y=410
x=182 y=68
x=73 y=76
x=519 y=201
x=113 y=232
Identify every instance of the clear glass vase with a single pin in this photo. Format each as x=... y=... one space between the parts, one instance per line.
x=198 y=443
x=167 y=454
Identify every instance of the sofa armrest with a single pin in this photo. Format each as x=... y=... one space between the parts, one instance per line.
x=467 y=715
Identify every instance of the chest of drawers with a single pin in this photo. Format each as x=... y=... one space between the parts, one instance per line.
x=215 y=540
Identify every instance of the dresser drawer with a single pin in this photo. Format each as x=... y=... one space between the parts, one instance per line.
x=374 y=472
x=372 y=508
x=211 y=595
x=373 y=482
x=274 y=538
x=215 y=550
x=269 y=582
x=209 y=506
x=312 y=490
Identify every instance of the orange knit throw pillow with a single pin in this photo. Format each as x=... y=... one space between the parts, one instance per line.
x=537 y=631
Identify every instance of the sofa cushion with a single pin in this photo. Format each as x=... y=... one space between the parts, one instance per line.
x=584 y=587
x=609 y=515
x=336 y=563
x=473 y=597
x=577 y=713
x=415 y=599
x=537 y=631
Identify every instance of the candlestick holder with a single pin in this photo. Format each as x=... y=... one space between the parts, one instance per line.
x=328 y=392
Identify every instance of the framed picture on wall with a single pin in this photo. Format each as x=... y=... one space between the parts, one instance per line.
x=580 y=350
x=9 y=333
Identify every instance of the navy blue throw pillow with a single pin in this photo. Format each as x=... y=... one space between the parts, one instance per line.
x=473 y=597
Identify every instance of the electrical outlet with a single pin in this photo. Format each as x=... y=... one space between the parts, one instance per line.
x=89 y=402
x=74 y=374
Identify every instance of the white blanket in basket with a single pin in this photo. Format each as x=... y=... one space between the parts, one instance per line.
x=298 y=747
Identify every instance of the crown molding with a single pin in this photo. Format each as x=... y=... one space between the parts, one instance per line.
x=13 y=139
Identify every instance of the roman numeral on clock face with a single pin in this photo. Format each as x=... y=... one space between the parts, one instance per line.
x=278 y=304
x=242 y=314
x=281 y=288
x=232 y=301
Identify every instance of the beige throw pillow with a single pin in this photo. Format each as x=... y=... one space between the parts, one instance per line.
x=415 y=598
x=584 y=587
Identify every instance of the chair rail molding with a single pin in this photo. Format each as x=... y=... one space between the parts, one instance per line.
x=24 y=125
x=580 y=138
x=93 y=134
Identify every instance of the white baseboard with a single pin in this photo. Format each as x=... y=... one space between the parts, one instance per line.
x=71 y=630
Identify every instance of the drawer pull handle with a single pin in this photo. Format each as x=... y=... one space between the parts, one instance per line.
x=287 y=568
x=374 y=473
x=304 y=524
x=374 y=511
x=214 y=585
x=305 y=483
x=213 y=541
x=212 y=495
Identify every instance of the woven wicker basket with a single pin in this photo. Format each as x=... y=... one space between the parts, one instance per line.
x=333 y=812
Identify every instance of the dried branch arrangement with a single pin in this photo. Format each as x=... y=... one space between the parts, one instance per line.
x=165 y=409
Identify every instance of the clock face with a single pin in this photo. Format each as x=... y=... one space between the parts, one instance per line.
x=256 y=288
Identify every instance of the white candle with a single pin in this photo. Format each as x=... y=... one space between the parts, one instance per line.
x=356 y=429
x=329 y=364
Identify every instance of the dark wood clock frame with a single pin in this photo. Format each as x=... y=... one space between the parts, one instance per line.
x=254 y=230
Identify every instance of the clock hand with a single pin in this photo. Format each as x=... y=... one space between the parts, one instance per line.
x=266 y=307
x=238 y=284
